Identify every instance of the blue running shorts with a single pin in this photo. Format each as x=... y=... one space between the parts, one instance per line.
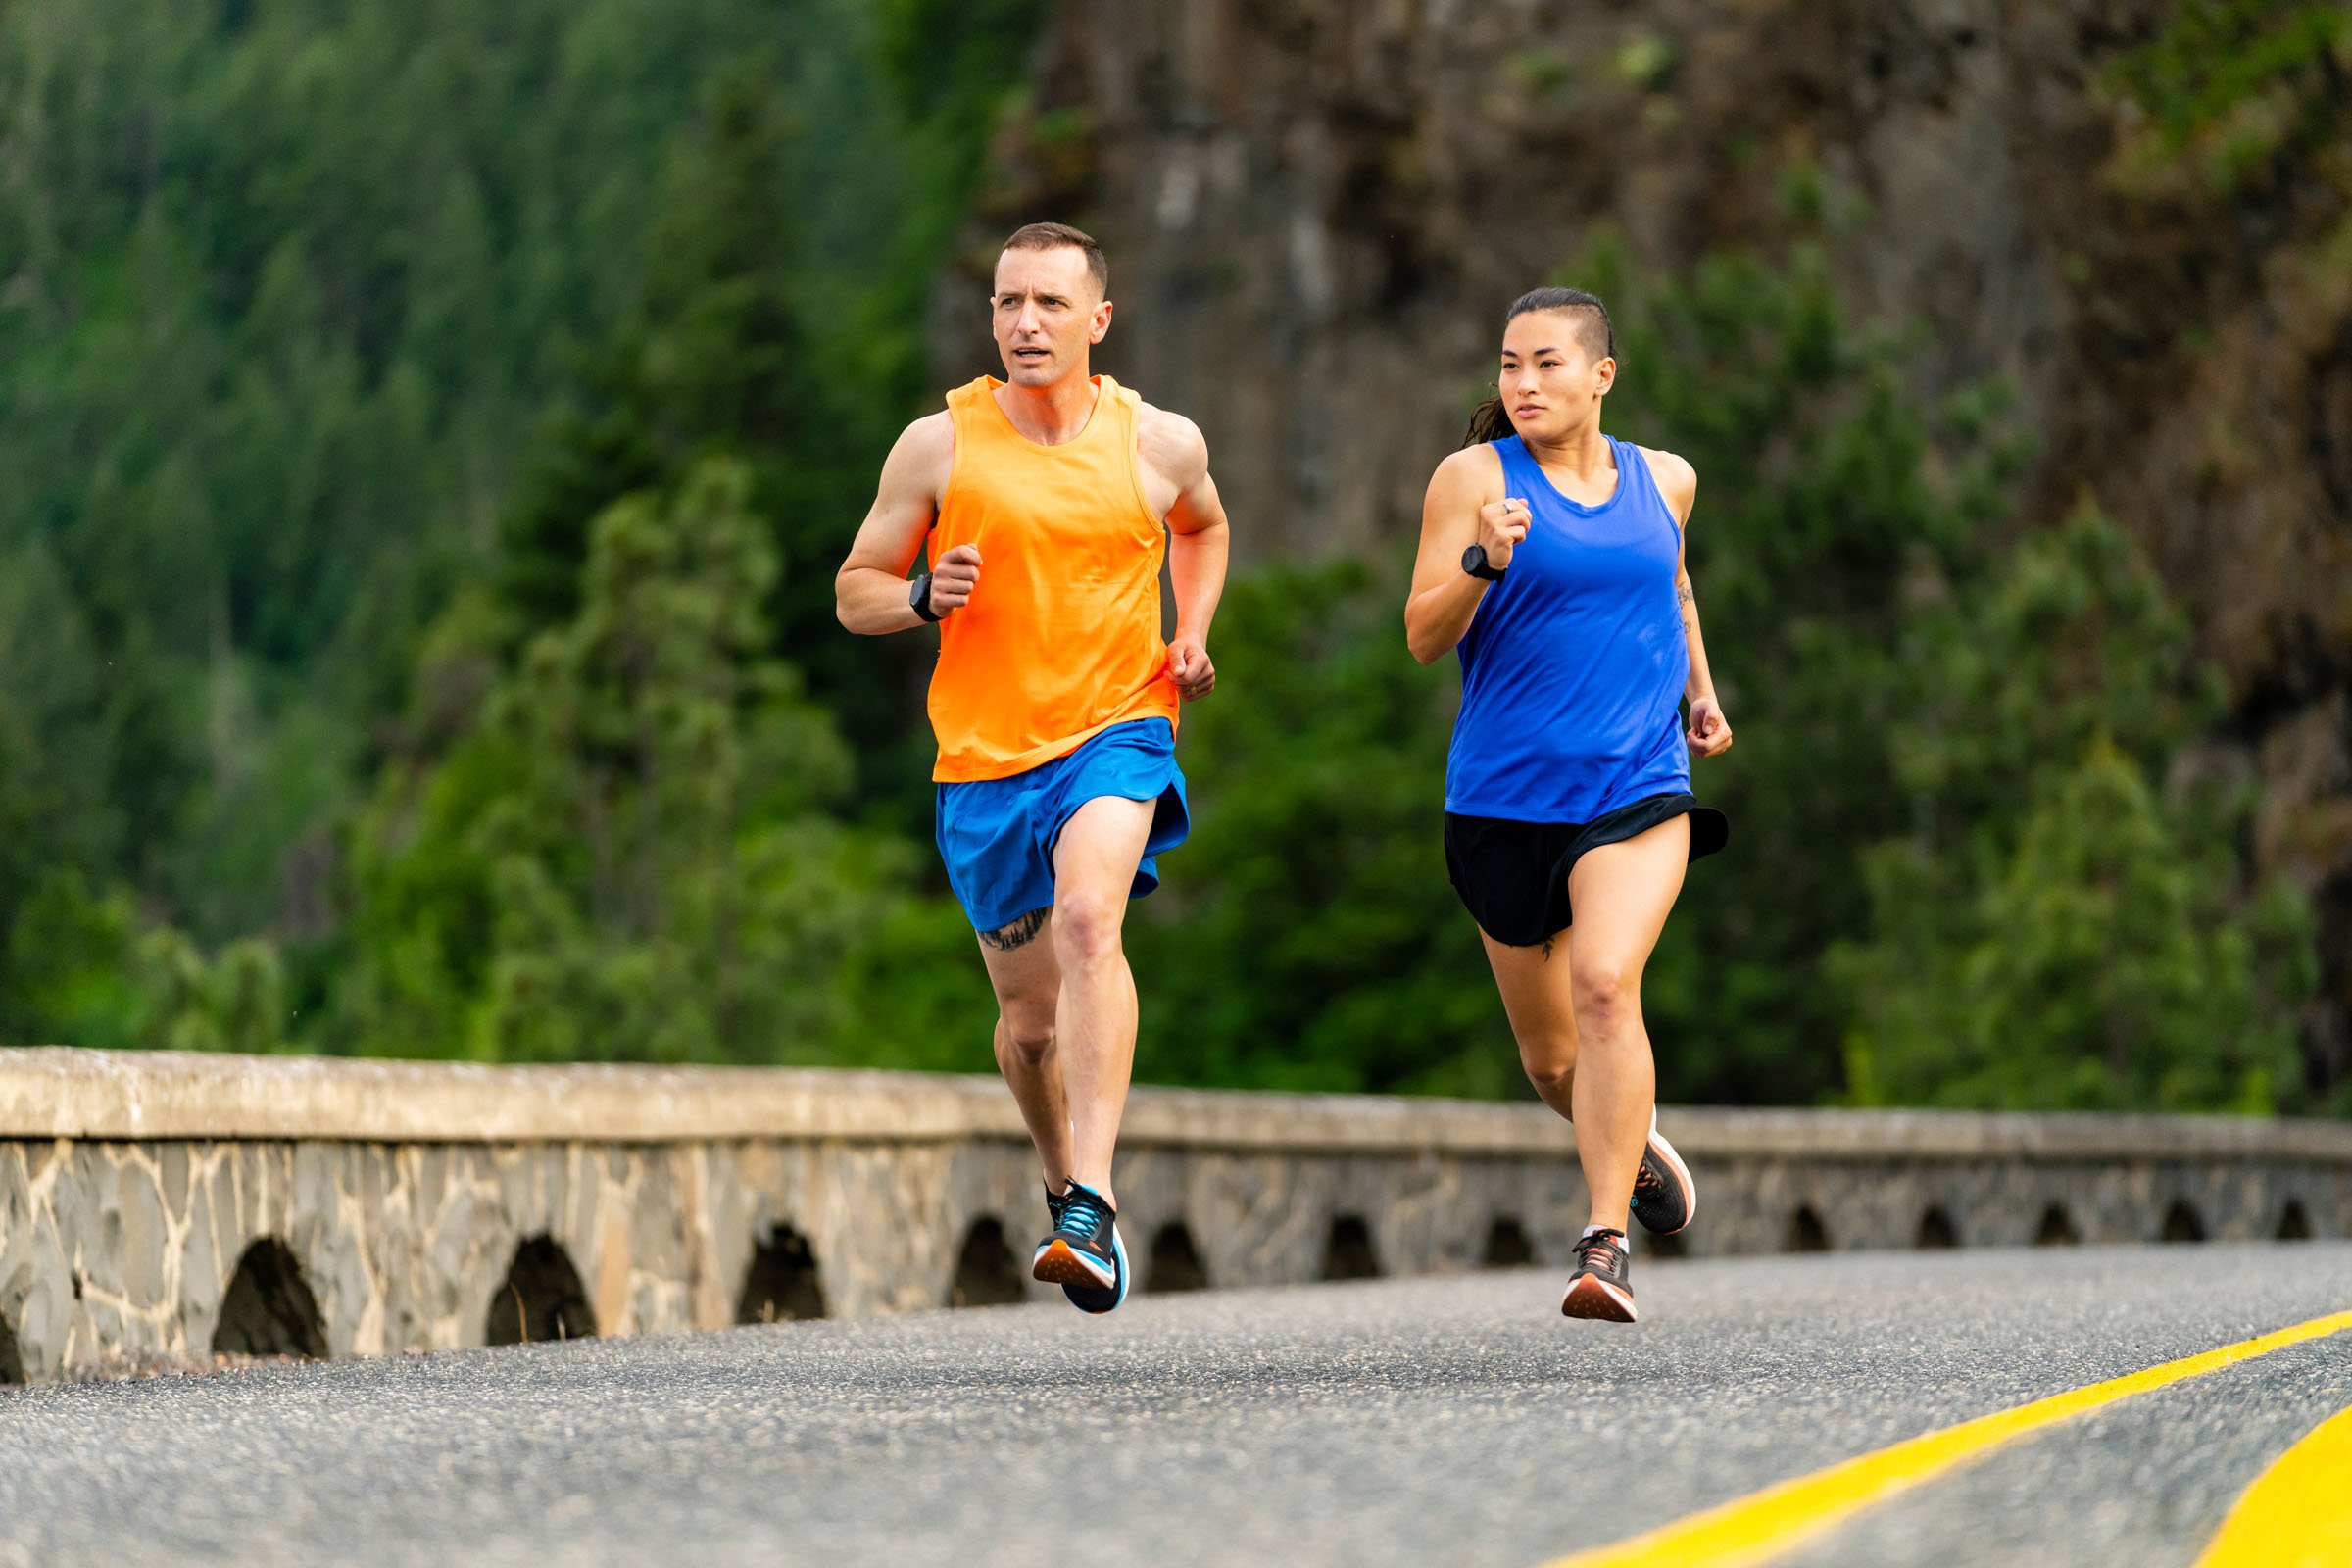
x=997 y=835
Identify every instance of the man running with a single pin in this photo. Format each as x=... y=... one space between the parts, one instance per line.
x=1048 y=500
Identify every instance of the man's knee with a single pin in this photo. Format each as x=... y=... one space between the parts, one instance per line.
x=1085 y=928
x=1026 y=1023
x=1026 y=1035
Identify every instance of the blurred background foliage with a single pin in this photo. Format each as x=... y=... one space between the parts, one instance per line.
x=431 y=430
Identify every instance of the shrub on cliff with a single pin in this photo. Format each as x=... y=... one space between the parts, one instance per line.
x=2056 y=927
x=631 y=853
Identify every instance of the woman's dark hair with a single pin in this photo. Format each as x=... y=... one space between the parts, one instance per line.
x=1489 y=421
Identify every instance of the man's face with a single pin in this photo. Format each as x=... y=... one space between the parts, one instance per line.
x=1046 y=314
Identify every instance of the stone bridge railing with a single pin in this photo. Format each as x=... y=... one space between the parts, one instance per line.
x=170 y=1205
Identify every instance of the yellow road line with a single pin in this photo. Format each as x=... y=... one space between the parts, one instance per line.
x=2297 y=1513
x=1764 y=1524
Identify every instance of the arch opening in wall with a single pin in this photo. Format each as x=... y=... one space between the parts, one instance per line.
x=1509 y=1244
x=2294 y=1221
x=2182 y=1223
x=2057 y=1227
x=783 y=1282
x=540 y=1299
x=1174 y=1262
x=1806 y=1232
x=986 y=1273
x=1936 y=1232
x=268 y=1309
x=1348 y=1252
x=12 y=1364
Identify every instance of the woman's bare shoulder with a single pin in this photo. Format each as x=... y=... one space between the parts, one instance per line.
x=1677 y=480
x=1474 y=469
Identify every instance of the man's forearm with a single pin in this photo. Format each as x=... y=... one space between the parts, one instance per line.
x=871 y=602
x=1196 y=572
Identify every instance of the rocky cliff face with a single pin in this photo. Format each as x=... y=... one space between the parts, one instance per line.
x=1316 y=210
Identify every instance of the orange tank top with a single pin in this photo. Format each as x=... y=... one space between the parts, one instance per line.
x=1062 y=638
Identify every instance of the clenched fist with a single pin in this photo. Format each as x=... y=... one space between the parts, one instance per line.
x=953 y=578
x=1502 y=524
x=1189 y=666
x=1710 y=732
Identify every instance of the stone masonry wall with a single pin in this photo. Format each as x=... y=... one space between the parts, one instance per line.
x=411 y=1203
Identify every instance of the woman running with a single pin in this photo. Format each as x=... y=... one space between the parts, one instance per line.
x=1551 y=555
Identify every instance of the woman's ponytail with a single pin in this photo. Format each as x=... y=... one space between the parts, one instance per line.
x=1488 y=422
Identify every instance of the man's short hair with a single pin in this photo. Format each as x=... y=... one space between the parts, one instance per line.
x=1061 y=237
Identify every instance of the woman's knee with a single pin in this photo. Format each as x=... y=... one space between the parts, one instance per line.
x=1606 y=994
x=1548 y=1062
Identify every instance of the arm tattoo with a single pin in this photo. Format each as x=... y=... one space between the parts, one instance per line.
x=1018 y=934
x=1682 y=590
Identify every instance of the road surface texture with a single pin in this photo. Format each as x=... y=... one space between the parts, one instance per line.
x=1425 y=1422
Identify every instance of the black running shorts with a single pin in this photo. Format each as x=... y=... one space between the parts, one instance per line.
x=1513 y=876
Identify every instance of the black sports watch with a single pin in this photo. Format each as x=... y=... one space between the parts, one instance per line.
x=919 y=596
x=1474 y=561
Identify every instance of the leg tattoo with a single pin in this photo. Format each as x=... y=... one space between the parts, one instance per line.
x=1017 y=934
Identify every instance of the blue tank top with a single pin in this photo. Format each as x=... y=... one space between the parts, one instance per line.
x=1573 y=670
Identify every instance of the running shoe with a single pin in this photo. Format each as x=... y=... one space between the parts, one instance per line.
x=1665 y=1199
x=1085 y=1255
x=1085 y=1298
x=1603 y=1284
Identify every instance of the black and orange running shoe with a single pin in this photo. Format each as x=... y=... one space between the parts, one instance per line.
x=1084 y=1255
x=1665 y=1199
x=1603 y=1284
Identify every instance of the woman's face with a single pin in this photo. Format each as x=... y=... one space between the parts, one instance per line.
x=1550 y=384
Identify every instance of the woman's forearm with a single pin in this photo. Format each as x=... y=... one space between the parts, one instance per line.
x=1437 y=619
x=1702 y=682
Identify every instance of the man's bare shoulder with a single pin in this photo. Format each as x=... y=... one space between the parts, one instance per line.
x=1677 y=482
x=1171 y=444
x=932 y=436
x=924 y=452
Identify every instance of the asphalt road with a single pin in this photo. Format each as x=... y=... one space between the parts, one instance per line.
x=1437 y=1421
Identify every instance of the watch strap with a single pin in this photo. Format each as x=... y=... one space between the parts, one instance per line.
x=1474 y=561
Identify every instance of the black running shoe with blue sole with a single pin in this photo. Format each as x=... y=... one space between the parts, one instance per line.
x=1084 y=1255
x=1085 y=1299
